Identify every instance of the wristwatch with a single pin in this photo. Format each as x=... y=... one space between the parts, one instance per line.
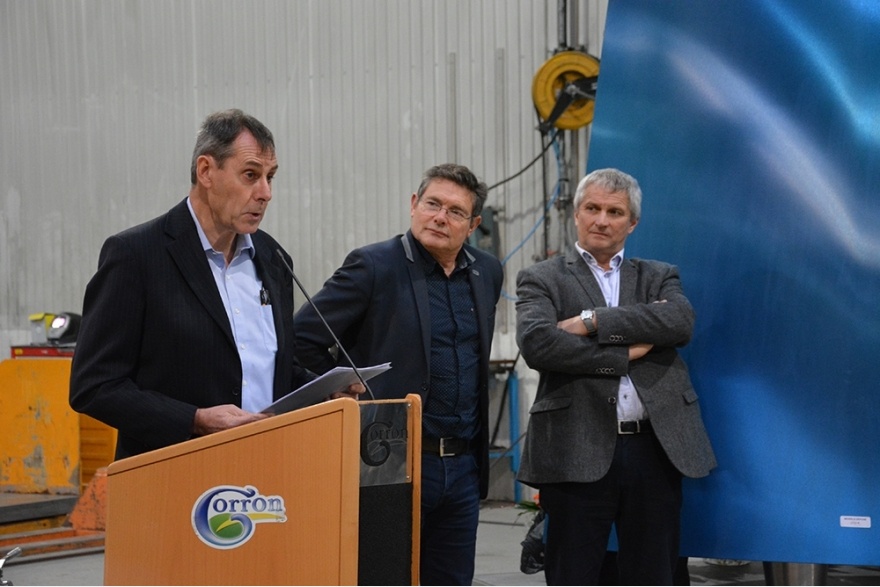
x=587 y=317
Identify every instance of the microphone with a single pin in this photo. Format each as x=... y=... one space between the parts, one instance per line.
x=327 y=326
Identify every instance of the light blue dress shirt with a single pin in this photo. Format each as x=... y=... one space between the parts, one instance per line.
x=253 y=325
x=629 y=405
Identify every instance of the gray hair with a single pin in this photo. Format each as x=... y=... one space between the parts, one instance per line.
x=614 y=181
x=219 y=131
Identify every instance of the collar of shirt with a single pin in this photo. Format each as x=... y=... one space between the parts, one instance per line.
x=242 y=243
x=616 y=260
x=430 y=263
x=609 y=281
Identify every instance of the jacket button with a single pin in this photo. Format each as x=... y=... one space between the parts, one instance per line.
x=612 y=400
x=236 y=392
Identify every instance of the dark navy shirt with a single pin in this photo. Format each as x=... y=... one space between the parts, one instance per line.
x=452 y=406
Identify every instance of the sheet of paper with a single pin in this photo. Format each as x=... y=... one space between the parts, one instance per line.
x=317 y=390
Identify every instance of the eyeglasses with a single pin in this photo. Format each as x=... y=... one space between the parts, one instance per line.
x=454 y=214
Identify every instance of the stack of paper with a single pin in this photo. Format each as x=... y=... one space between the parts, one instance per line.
x=317 y=390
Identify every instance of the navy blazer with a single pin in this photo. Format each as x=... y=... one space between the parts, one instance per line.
x=155 y=343
x=572 y=428
x=377 y=305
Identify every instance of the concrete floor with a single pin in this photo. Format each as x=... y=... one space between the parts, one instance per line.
x=502 y=528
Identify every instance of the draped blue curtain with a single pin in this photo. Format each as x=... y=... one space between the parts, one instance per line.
x=753 y=127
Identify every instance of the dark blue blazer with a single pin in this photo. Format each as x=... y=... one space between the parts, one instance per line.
x=377 y=304
x=155 y=343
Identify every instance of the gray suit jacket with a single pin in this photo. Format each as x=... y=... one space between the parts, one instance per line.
x=572 y=428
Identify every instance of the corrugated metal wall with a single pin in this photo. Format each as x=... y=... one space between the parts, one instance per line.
x=100 y=101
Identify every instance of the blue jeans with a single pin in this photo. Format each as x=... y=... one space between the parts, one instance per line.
x=450 y=515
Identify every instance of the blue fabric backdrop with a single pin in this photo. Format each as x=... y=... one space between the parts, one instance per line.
x=753 y=127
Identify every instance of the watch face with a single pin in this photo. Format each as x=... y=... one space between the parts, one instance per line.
x=587 y=317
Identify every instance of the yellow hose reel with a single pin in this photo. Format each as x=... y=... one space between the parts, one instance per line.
x=564 y=90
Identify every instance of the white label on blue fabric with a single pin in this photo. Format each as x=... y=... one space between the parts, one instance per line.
x=855 y=521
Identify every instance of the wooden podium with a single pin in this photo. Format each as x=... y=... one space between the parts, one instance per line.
x=304 y=498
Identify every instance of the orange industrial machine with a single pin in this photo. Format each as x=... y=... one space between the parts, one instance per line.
x=50 y=454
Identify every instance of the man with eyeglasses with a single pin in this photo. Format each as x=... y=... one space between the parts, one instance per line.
x=425 y=301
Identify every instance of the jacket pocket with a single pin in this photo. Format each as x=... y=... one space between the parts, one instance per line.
x=550 y=404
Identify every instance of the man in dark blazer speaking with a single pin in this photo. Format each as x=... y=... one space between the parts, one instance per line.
x=425 y=301
x=615 y=423
x=187 y=324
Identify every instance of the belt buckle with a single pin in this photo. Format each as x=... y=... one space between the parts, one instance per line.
x=443 y=451
x=638 y=424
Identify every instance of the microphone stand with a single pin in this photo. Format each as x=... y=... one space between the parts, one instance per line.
x=327 y=326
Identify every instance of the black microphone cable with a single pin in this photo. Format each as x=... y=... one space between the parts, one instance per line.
x=327 y=326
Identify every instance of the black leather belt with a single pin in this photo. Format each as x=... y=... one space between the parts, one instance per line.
x=633 y=426
x=445 y=447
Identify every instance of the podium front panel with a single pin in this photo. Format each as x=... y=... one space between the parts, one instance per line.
x=386 y=548
x=222 y=510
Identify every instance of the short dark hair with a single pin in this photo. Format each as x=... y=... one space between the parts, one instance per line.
x=460 y=175
x=219 y=131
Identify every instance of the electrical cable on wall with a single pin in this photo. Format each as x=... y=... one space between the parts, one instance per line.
x=550 y=203
x=493 y=439
x=563 y=92
x=526 y=168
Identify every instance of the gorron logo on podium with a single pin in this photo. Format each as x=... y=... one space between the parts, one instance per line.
x=226 y=516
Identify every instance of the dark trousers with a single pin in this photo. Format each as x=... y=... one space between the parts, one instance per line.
x=640 y=495
x=610 y=574
x=450 y=516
